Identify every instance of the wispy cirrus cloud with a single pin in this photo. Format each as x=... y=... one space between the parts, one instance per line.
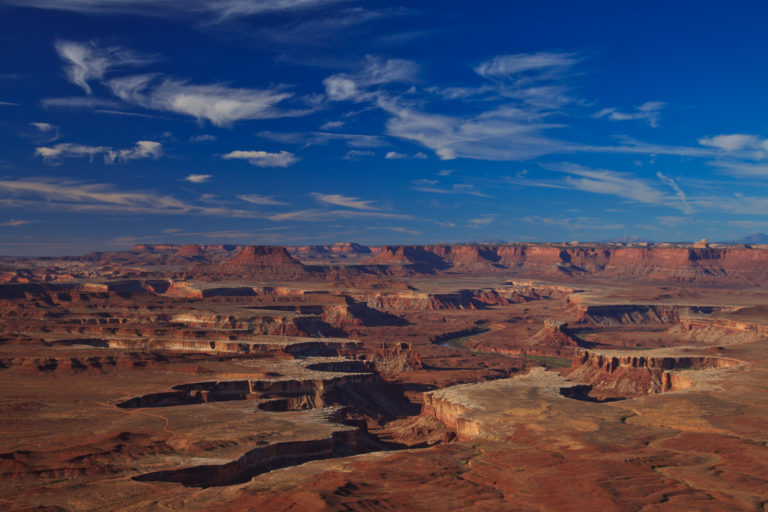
x=490 y=135
x=604 y=181
x=433 y=187
x=512 y=128
x=572 y=224
x=87 y=61
x=483 y=220
x=67 y=150
x=511 y=66
x=219 y=10
x=47 y=132
x=345 y=201
x=263 y=158
x=44 y=127
x=735 y=142
x=260 y=200
x=143 y=149
x=77 y=196
x=745 y=169
x=320 y=215
x=327 y=26
x=16 y=222
x=649 y=112
x=686 y=207
x=536 y=80
x=219 y=104
x=376 y=72
x=353 y=140
x=400 y=229
x=394 y=155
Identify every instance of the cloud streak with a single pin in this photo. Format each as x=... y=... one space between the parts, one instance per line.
x=345 y=201
x=77 y=196
x=320 y=215
x=648 y=111
x=263 y=158
x=260 y=200
x=219 y=10
x=143 y=149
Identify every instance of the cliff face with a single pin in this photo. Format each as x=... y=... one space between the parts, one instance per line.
x=681 y=263
x=451 y=414
x=632 y=374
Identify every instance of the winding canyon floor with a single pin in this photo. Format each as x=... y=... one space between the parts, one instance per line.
x=428 y=391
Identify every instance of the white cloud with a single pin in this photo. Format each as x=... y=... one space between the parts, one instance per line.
x=743 y=168
x=332 y=125
x=143 y=149
x=355 y=87
x=398 y=229
x=573 y=224
x=198 y=178
x=85 y=62
x=260 y=200
x=319 y=215
x=648 y=111
x=735 y=142
x=394 y=155
x=324 y=27
x=218 y=10
x=16 y=222
x=491 y=135
x=678 y=192
x=263 y=158
x=353 y=140
x=67 y=150
x=8 y=104
x=603 y=181
x=47 y=131
x=61 y=194
x=43 y=127
x=345 y=201
x=483 y=220
x=457 y=188
x=509 y=65
x=219 y=104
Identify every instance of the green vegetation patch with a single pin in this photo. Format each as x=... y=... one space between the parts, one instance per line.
x=550 y=361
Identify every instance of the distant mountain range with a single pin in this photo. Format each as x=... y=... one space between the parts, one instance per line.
x=753 y=239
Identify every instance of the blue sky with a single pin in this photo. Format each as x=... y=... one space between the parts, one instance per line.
x=320 y=121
